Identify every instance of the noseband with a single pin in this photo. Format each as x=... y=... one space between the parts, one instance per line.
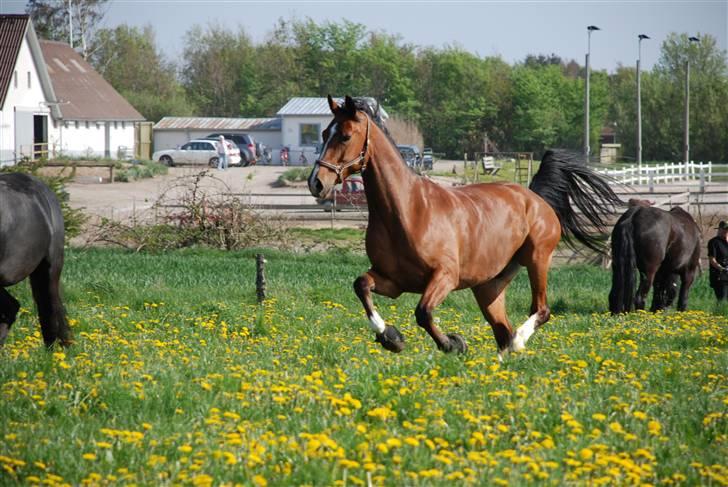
x=360 y=158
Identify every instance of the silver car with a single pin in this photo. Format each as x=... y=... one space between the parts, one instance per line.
x=198 y=152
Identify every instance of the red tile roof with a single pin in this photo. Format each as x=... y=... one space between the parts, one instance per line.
x=12 y=30
x=82 y=92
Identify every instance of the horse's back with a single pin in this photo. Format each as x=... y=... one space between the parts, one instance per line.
x=31 y=226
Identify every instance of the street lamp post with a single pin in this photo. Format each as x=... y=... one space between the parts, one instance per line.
x=640 y=38
x=686 y=122
x=587 y=149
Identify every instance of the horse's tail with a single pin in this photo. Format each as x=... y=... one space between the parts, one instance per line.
x=621 y=296
x=560 y=181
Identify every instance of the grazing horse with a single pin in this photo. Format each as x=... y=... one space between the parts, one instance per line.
x=662 y=246
x=31 y=244
x=428 y=239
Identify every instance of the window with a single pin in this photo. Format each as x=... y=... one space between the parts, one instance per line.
x=87 y=126
x=309 y=133
x=76 y=123
x=28 y=79
x=15 y=79
x=186 y=147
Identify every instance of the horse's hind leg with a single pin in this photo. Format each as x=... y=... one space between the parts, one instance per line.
x=491 y=298
x=45 y=282
x=686 y=280
x=538 y=269
x=647 y=277
x=388 y=336
x=9 y=307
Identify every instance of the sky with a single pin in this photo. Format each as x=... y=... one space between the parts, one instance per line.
x=510 y=29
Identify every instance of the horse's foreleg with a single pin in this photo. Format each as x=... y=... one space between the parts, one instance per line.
x=9 y=307
x=45 y=282
x=388 y=336
x=435 y=293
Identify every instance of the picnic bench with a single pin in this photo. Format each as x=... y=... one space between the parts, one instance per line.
x=76 y=164
x=489 y=165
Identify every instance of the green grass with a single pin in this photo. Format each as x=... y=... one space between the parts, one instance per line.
x=293 y=175
x=178 y=376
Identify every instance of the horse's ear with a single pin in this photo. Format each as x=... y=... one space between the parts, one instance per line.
x=349 y=105
x=333 y=105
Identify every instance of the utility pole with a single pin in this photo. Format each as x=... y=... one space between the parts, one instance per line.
x=587 y=148
x=686 y=121
x=640 y=38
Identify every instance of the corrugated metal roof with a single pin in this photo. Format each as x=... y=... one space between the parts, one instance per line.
x=82 y=92
x=314 y=106
x=12 y=30
x=217 y=124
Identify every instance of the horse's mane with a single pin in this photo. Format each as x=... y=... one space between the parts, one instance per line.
x=370 y=106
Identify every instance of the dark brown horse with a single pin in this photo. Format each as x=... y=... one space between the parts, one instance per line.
x=425 y=238
x=31 y=244
x=662 y=246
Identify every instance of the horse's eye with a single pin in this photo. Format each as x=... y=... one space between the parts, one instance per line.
x=345 y=137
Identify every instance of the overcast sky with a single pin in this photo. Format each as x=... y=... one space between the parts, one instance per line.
x=511 y=29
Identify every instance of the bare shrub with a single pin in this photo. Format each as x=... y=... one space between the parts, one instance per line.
x=197 y=210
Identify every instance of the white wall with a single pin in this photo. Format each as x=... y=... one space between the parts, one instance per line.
x=291 y=131
x=88 y=139
x=21 y=98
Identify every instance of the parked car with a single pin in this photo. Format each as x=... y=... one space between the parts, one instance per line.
x=198 y=151
x=427 y=159
x=349 y=194
x=410 y=154
x=245 y=142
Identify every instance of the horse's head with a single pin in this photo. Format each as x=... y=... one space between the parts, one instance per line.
x=345 y=150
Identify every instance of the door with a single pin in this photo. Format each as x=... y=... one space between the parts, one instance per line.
x=40 y=136
x=23 y=135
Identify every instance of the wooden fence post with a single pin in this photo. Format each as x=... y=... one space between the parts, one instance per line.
x=260 y=277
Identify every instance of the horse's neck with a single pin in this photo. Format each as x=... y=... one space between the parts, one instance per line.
x=388 y=182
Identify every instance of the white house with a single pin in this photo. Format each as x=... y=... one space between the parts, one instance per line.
x=52 y=101
x=96 y=121
x=27 y=100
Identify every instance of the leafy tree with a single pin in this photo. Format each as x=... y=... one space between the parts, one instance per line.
x=129 y=59
x=51 y=21
x=219 y=70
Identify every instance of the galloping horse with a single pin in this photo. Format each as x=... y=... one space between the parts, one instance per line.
x=31 y=244
x=662 y=245
x=425 y=238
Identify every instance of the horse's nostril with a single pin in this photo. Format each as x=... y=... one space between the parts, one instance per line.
x=319 y=186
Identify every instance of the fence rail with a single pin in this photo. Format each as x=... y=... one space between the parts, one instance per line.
x=692 y=172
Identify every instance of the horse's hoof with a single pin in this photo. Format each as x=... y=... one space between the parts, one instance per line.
x=457 y=343
x=391 y=339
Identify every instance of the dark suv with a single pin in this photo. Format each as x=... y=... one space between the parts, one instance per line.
x=244 y=141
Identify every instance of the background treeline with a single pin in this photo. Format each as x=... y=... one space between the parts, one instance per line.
x=454 y=96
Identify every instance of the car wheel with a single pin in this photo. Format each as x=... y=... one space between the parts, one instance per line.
x=167 y=161
x=213 y=162
x=244 y=162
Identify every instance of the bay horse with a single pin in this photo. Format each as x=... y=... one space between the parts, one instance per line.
x=662 y=245
x=31 y=244
x=428 y=239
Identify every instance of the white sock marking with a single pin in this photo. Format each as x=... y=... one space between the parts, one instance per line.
x=376 y=323
x=524 y=333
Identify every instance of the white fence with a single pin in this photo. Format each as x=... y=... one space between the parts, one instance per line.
x=700 y=172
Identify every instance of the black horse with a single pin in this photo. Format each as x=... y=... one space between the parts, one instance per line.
x=31 y=244
x=662 y=245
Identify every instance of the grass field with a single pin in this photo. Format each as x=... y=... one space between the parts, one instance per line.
x=178 y=377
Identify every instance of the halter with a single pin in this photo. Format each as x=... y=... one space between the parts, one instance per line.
x=360 y=158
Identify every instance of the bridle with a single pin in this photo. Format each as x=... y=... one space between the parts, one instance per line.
x=362 y=157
